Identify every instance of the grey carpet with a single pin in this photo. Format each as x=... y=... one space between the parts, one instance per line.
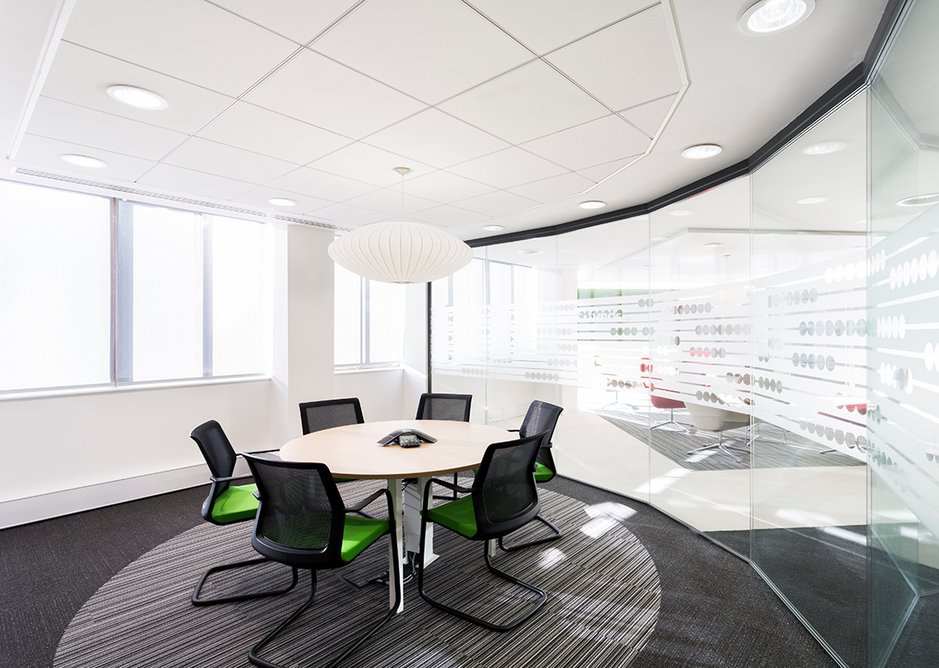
x=603 y=587
x=675 y=444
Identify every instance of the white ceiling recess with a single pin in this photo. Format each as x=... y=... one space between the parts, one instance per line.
x=511 y=113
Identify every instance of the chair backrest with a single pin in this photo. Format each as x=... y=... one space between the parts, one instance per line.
x=215 y=447
x=454 y=407
x=542 y=417
x=504 y=492
x=300 y=516
x=319 y=415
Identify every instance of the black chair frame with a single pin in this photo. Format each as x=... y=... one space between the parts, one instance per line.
x=313 y=560
x=425 y=411
x=351 y=401
x=487 y=530
x=219 y=484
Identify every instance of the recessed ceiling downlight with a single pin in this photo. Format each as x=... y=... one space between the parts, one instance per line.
x=493 y=228
x=812 y=200
x=701 y=151
x=768 y=16
x=824 y=147
x=681 y=212
x=84 y=161
x=592 y=204
x=530 y=251
x=282 y=201
x=137 y=97
x=713 y=244
x=919 y=200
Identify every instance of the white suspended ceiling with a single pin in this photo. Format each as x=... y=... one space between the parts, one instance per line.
x=508 y=113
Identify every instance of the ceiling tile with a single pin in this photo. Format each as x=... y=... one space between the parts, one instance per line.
x=347 y=216
x=543 y=25
x=260 y=196
x=648 y=117
x=499 y=203
x=445 y=187
x=388 y=201
x=199 y=184
x=508 y=168
x=367 y=163
x=638 y=49
x=300 y=20
x=69 y=122
x=234 y=163
x=81 y=76
x=528 y=102
x=448 y=216
x=599 y=172
x=307 y=89
x=43 y=152
x=255 y=129
x=590 y=144
x=431 y=49
x=322 y=185
x=557 y=187
x=189 y=39
x=434 y=138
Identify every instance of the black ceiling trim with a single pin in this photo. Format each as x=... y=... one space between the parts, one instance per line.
x=849 y=84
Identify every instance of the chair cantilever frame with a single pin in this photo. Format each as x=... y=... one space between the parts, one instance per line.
x=502 y=499
x=303 y=522
x=227 y=504
x=719 y=420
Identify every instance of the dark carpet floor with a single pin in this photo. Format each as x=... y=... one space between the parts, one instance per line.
x=715 y=610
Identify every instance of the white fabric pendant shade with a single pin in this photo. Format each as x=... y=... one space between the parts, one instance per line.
x=400 y=252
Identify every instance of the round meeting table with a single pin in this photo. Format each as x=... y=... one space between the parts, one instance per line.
x=353 y=451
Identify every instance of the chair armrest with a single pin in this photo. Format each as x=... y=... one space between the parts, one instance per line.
x=515 y=430
x=364 y=502
x=450 y=485
x=258 y=452
x=230 y=478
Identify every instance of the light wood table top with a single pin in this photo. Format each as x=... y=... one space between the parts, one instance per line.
x=353 y=451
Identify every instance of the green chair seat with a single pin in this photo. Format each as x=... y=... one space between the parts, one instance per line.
x=358 y=533
x=457 y=516
x=235 y=504
x=543 y=473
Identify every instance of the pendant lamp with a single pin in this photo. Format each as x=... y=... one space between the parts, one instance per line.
x=400 y=251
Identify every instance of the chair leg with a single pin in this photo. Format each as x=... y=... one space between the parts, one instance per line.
x=542 y=596
x=671 y=420
x=253 y=654
x=720 y=446
x=539 y=541
x=240 y=597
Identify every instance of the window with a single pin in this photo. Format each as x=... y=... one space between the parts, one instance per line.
x=97 y=291
x=368 y=320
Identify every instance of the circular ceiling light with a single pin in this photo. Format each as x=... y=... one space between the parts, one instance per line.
x=713 y=244
x=282 y=201
x=137 y=97
x=701 y=151
x=493 y=228
x=400 y=252
x=812 y=200
x=681 y=212
x=84 y=161
x=592 y=204
x=919 y=200
x=823 y=147
x=768 y=16
x=530 y=251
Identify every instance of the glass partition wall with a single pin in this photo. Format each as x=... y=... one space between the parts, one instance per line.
x=758 y=361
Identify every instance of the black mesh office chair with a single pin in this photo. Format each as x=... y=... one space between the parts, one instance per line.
x=303 y=522
x=502 y=499
x=454 y=407
x=226 y=503
x=319 y=415
x=541 y=417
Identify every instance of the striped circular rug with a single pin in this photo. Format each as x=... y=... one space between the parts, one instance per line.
x=603 y=602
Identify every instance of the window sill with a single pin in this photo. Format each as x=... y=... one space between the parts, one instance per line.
x=366 y=368
x=48 y=393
